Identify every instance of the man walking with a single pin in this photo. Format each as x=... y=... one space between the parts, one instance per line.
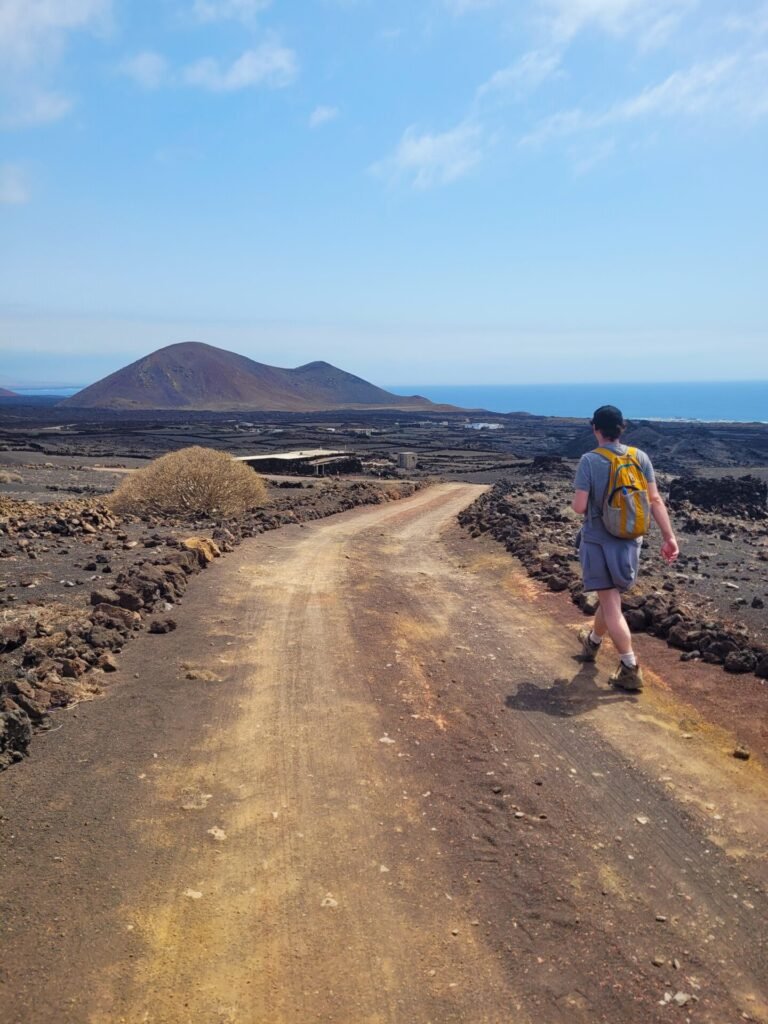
x=609 y=563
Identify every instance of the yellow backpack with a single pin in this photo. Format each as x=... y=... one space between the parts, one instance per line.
x=626 y=503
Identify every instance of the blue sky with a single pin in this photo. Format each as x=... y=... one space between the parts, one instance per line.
x=433 y=191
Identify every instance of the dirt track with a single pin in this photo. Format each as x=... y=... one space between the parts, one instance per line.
x=389 y=794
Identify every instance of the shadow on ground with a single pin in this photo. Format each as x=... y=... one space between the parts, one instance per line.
x=567 y=697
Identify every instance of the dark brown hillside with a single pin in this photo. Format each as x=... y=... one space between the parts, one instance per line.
x=5 y=393
x=201 y=377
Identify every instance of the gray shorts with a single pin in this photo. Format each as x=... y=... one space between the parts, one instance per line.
x=608 y=564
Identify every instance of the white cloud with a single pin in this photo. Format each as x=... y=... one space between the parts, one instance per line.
x=698 y=90
x=222 y=10
x=736 y=85
x=269 y=64
x=13 y=186
x=30 y=108
x=426 y=160
x=33 y=29
x=33 y=35
x=322 y=115
x=652 y=20
x=525 y=75
x=148 y=69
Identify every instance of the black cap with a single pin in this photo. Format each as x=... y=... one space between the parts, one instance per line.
x=609 y=421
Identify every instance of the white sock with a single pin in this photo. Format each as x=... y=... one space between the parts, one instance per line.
x=629 y=660
x=594 y=638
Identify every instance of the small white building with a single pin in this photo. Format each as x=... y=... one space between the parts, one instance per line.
x=407 y=460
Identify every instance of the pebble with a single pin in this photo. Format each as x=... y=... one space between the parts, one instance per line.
x=742 y=753
x=661 y=918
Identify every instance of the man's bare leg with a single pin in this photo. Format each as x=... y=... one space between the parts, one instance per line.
x=610 y=619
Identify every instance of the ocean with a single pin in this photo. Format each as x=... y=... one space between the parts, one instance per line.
x=52 y=392
x=732 y=401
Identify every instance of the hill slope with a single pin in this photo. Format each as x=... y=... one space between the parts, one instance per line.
x=201 y=377
x=5 y=393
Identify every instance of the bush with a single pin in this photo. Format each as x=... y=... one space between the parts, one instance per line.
x=192 y=482
x=9 y=478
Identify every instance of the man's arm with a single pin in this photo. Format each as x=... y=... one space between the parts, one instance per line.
x=580 y=502
x=669 y=548
x=582 y=484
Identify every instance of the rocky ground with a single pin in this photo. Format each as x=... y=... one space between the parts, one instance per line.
x=368 y=779
x=65 y=559
x=78 y=581
x=710 y=604
x=475 y=445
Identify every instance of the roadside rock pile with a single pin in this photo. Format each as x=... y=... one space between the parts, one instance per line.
x=21 y=521
x=744 y=497
x=553 y=465
x=542 y=536
x=49 y=667
x=56 y=649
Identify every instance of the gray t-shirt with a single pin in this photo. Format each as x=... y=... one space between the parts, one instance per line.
x=592 y=475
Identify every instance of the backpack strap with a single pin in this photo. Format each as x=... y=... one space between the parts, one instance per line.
x=632 y=454
x=605 y=453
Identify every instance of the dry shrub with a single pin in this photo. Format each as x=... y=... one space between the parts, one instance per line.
x=190 y=483
x=10 y=478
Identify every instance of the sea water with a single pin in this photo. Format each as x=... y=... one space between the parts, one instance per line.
x=735 y=401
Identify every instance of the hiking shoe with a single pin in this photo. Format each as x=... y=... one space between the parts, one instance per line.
x=588 y=646
x=626 y=678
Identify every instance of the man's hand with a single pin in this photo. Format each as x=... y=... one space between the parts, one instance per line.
x=670 y=550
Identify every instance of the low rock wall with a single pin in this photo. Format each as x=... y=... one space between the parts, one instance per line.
x=542 y=536
x=55 y=660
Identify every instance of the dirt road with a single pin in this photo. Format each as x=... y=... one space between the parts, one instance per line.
x=365 y=781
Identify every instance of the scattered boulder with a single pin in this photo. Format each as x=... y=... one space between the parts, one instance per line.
x=11 y=638
x=205 y=549
x=113 y=617
x=162 y=625
x=740 y=662
x=73 y=668
x=128 y=598
x=15 y=732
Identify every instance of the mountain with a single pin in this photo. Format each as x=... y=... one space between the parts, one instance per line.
x=204 y=378
x=5 y=393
